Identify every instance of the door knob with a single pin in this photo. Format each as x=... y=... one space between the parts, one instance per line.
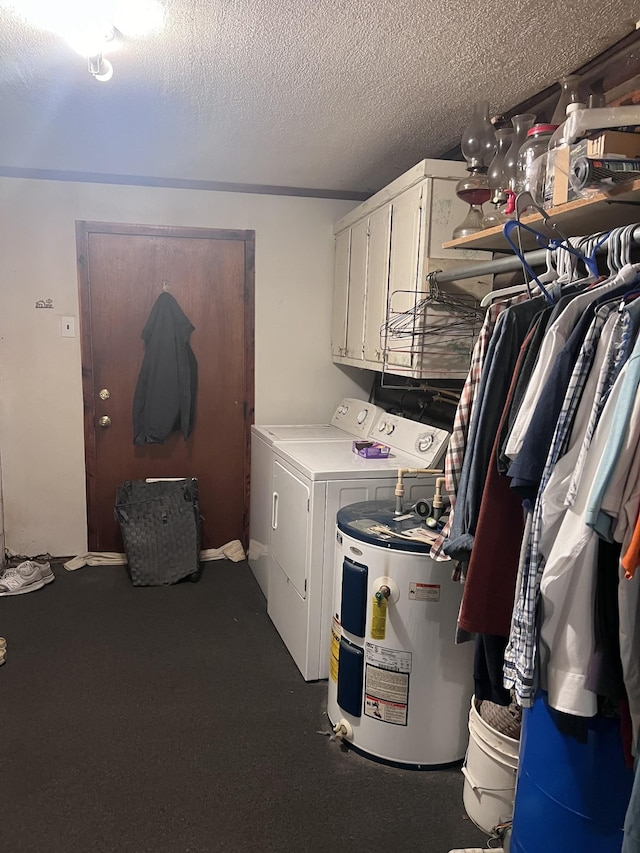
x=105 y=421
x=104 y=394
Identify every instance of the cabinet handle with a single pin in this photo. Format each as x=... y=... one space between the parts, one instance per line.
x=274 y=511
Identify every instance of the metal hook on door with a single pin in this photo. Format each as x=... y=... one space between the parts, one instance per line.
x=165 y=285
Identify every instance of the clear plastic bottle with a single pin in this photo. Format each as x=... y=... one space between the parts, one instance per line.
x=580 y=119
x=546 y=166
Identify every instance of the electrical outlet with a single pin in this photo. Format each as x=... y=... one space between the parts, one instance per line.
x=68 y=327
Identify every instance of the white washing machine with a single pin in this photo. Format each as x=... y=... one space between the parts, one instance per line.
x=311 y=481
x=352 y=419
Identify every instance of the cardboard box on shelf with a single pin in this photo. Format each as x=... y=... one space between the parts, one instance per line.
x=614 y=142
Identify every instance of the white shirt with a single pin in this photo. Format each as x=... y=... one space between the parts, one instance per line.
x=567 y=588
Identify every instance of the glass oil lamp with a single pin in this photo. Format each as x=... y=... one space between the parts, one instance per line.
x=478 y=145
x=498 y=183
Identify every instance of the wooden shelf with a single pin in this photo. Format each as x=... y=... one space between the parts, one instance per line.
x=582 y=216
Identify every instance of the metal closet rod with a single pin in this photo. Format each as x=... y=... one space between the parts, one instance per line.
x=508 y=264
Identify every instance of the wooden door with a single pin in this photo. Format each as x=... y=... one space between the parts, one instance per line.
x=122 y=269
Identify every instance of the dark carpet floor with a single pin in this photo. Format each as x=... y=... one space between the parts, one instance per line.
x=173 y=719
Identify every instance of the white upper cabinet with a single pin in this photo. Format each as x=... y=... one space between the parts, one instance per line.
x=357 y=289
x=377 y=280
x=340 y=294
x=385 y=249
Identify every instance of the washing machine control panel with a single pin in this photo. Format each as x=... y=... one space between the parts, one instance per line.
x=418 y=439
x=356 y=416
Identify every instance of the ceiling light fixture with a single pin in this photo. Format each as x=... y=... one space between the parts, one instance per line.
x=101 y=68
x=89 y=26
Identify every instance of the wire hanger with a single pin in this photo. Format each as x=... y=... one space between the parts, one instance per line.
x=503 y=293
x=551 y=274
x=562 y=241
x=524 y=201
x=619 y=248
x=544 y=242
x=457 y=312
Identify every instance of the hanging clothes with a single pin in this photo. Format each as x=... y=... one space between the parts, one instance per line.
x=550 y=516
x=554 y=340
x=520 y=657
x=165 y=395
x=457 y=445
x=551 y=541
x=488 y=593
x=594 y=332
x=502 y=354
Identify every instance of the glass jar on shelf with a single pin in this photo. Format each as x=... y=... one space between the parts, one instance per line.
x=535 y=145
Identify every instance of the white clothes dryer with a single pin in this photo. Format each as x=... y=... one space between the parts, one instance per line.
x=311 y=481
x=352 y=419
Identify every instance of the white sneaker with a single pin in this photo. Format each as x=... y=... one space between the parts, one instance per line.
x=26 y=577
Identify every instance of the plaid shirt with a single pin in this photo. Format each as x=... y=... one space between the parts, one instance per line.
x=520 y=654
x=613 y=360
x=460 y=432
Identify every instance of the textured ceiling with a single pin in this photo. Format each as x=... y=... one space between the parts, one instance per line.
x=326 y=94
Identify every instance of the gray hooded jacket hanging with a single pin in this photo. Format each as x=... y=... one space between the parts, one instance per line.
x=165 y=395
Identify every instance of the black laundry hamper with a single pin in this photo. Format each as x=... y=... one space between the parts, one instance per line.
x=160 y=524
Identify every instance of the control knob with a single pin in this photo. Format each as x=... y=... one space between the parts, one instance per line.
x=424 y=442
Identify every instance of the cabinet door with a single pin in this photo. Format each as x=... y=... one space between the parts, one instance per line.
x=377 y=281
x=357 y=289
x=340 y=294
x=405 y=264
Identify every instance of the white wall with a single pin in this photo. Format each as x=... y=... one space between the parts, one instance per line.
x=41 y=414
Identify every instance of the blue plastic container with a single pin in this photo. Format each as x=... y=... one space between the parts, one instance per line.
x=570 y=796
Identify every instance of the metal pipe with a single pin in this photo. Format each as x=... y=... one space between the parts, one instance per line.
x=508 y=264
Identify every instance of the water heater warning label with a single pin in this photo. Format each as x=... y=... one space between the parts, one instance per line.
x=386 y=695
x=390 y=659
x=424 y=592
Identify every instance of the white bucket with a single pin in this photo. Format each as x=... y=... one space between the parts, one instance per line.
x=490 y=770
